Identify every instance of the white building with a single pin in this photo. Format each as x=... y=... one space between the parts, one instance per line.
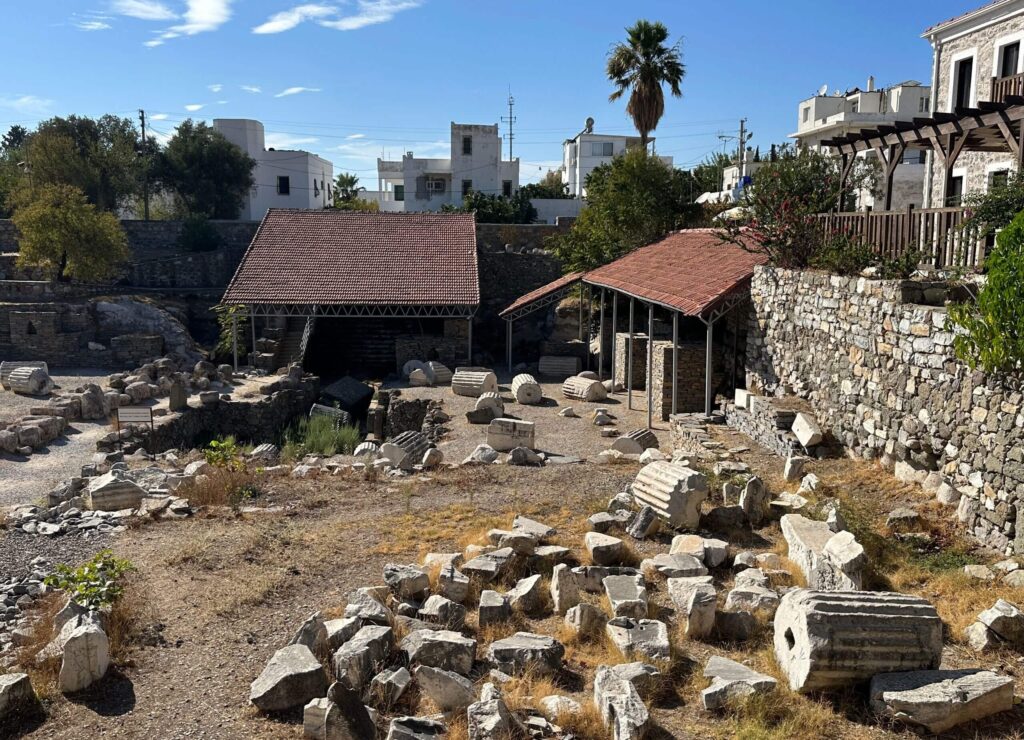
x=283 y=178
x=586 y=151
x=976 y=58
x=825 y=116
x=735 y=177
x=474 y=165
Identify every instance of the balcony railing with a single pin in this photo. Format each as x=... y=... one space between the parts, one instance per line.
x=1004 y=87
x=936 y=234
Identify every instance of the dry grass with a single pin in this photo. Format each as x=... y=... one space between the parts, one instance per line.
x=220 y=487
x=42 y=668
x=131 y=621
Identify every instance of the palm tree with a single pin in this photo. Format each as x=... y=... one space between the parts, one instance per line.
x=642 y=65
x=346 y=187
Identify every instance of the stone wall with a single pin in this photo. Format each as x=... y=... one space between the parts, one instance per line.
x=690 y=387
x=191 y=270
x=447 y=350
x=494 y=237
x=880 y=374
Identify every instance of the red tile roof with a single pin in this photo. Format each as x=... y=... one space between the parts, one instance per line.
x=689 y=271
x=542 y=291
x=304 y=257
x=962 y=16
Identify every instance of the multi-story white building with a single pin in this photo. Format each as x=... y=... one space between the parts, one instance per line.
x=283 y=178
x=586 y=151
x=825 y=117
x=976 y=57
x=474 y=165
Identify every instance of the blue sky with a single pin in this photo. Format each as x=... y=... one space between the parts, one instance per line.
x=350 y=79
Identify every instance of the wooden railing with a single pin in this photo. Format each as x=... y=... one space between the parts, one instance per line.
x=935 y=234
x=1004 y=87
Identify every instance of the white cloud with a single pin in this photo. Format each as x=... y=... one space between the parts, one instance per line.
x=370 y=13
x=252 y=89
x=286 y=20
x=215 y=88
x=29 y=105
x=93 y=25
x=193 y=107
x=369 y=150
x=350 y=137
x=158 y=116
x=202 y=16
x=287 y=141
x=222 y=102
x=296 y=91
x=153 y=42
x=147 y=10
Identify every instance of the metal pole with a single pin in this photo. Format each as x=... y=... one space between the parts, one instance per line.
x=590 y=317
x=735 y=353
x=707 y=369
x=252 y=323
x=600 y=341
x=469 y=321
x=508 y=343
x=675 y=359
x=581 y=313
x=615 y=325
x=234 y=339
x=629 y=359
x=650 y=364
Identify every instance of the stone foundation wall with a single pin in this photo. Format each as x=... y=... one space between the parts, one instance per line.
x=494 y=237
x=690 y=388
x=450 y=351
x=882 y=378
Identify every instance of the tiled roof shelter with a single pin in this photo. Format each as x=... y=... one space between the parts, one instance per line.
x=691 y=273
x=335 y=263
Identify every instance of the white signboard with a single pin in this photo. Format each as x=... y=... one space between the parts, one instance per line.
x=135 y=415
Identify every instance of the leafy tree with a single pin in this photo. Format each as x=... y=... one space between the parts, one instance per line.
x=497 y=209
x=993 y=326
x=14 y=138
x=64 y=233
x=346 y=188
x=11 y=174
x=207 y=174
x=641 y=66
x=995 y=208
x=634 y=200
x=357 y=204
x=783 y=203
x=199 y=235
x=549 y=187
x=708 y=174
x=99 y=156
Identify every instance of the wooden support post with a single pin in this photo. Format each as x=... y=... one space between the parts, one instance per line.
x=675 y=359
x=508 y=344
x=252 y=323
x=708 y=383
x=615 y=325
x=629 y=359
x=234 y=338
x=650 y=364
x=590 y=319
x=469 y=343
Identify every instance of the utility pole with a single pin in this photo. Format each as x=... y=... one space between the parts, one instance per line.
x=510 y=120
x=145 y=166
x=743 y=149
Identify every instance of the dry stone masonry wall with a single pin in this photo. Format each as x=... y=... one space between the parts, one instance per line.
x=879 y=371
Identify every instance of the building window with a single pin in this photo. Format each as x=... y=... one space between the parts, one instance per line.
x=807 y=114
x=998 y=179
x=316 y=189
x=955 y=191
x=962 y=78
x=399 y=192
x=855 y=107
x=435 y=185
x=923 y=104
x=602 y=148
x=467 y=187
x=572 y=153
x=284 y=185
x=467 y=145
x=1009 y=57
x=506 y=188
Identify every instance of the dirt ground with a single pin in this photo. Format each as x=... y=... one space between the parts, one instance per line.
x=229 y=590
x=567 y=437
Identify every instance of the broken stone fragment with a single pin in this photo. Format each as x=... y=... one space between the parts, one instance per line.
x=416 y=728
x=565 y=592
x=447 y=689
x=627 y=596
x=493 y=609
x=1006 y=620
x=585 y=619
x=672 y=566
x=443 y=649
x=603 y=549
x=291 y=679
x=731 y=681
x=620 y=705
x=940 y=700
x=357 y=659
x=645 y=639
x=673 y=491
x=527 y=595
x=525 y=650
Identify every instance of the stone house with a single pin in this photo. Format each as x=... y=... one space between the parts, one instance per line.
x=976 y=58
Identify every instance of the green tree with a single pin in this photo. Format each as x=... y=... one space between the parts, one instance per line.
x=996 y=207
x=993 y=326
x=346 y=188
x=708 y=174
x=497 y=209
x=99 y=156
x=206 y=174
x=357 y=204
x=551 y=186
x=634 y=200
x=61 y=231
x=14 y=138
x=641 y=66
x=11 y=166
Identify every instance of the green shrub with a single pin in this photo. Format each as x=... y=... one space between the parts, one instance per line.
x=992 y=334
x=96 y=583
x=318 y=435
x=843 y=256
x=224 y=453
x=198 y=235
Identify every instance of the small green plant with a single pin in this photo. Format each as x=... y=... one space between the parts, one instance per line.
x=224 y=453
x=318 y=435
x=899 y=268
x=992 y=335
x=198 y=235
x=96 y=583
x=842 y=255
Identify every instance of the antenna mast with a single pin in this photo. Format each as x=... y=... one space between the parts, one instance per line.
x=510 y=120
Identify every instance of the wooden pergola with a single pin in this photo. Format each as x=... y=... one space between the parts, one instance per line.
x=991 y=127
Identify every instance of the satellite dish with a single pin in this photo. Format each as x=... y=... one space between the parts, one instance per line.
x=589 y=124
x=823 y=90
